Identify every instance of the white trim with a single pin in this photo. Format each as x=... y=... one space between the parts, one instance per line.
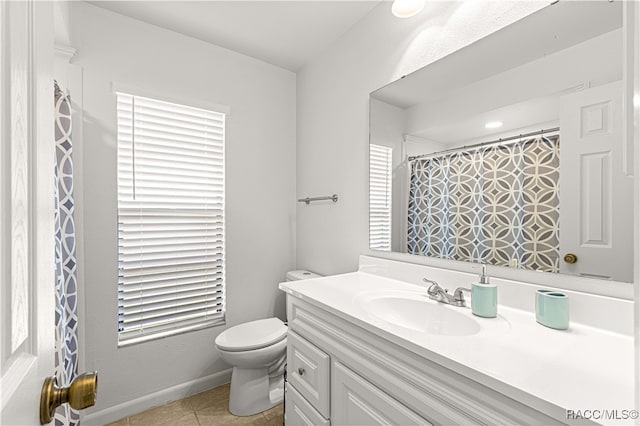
x=628 y=24
x=173 y=393
x=146 y=93
x=62 y=66
x=65 y=52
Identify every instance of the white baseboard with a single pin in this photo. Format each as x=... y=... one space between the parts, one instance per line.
x=138 y=405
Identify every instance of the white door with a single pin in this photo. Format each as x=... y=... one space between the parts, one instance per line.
x=26 y=208
x=596 y=197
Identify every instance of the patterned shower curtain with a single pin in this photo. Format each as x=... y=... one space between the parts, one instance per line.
x=66 y=319
x=494 y=204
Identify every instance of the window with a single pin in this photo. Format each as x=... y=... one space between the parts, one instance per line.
x=171 y=244
x=380 y=197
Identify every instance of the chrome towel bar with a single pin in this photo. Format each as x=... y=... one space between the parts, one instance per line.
x=307 y=200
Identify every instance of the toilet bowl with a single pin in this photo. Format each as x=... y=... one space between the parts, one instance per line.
x=257 y=351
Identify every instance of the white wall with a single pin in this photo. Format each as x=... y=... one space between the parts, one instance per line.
x=260 y=203
x=62 y=42
x=333 y=102
x=534 y=87
x=62 y=24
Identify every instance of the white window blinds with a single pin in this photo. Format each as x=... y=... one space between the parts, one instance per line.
x=380 y=197
x=171 y=244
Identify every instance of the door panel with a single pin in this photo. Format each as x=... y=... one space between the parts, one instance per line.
x=300 y=412
x=26 y=206
x=596 y=222
x=355 y=401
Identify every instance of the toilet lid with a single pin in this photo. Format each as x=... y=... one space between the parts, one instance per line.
x=252 y=335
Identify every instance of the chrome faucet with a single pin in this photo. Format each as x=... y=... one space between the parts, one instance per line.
x=441 y=295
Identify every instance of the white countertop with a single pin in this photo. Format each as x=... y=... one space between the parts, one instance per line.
x=582 y=368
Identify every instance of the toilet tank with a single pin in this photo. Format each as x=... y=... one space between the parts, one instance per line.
x=298 y=275
x=301 y=275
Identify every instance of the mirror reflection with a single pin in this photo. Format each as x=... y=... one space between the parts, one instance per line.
x=511 y=151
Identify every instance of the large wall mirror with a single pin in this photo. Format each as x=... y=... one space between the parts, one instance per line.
x=511 y=151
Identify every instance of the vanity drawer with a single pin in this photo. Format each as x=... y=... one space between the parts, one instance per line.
x=300 y=412
x=308 y=372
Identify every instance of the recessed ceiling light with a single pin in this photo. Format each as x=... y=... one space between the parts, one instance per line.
x=493 y=125
x=406 y=8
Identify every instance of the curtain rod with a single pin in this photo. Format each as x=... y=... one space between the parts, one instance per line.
x=476 y=145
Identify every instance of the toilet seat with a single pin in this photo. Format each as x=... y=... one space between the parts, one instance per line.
x=252 y=335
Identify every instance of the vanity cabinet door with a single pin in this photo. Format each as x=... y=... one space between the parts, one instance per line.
x=355 y=401
x=300 y=412
x=308 y=371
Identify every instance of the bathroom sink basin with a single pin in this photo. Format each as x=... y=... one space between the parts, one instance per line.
x=417 y=312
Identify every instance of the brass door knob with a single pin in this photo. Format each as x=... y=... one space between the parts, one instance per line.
x=570 y=258
x=80 y=394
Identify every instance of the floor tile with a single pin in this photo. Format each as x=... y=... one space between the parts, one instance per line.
x=208 y=408
x=214 y=416
x=277 y=411
x=188 y=420
x=275 y=416
x=276 y=421
x=260 y=421
x=212 y=397
x=165 y=414
x=121 y=422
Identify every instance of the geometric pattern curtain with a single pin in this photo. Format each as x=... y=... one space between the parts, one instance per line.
x=66 y=317
x=494 y=204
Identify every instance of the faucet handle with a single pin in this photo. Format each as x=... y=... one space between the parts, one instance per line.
x=433 y=288
x=458 y=296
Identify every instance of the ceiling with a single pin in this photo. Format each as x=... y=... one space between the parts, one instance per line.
x=549 y=30
x=520 y=76
x=288 y=34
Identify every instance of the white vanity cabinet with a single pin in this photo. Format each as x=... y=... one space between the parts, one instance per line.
x=300 y=412
x=342 y=374
x=308 y=372
x=355 y=401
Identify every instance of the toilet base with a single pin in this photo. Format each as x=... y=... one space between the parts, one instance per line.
x=253 y=391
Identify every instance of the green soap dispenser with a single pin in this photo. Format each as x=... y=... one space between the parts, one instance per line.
x=484 y=297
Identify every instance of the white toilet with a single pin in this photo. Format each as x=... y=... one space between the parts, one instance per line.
x=257 y=351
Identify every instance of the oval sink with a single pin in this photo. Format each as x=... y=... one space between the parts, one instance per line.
x=418 y=312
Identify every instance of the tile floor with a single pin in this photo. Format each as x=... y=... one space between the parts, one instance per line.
x=209 y=408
